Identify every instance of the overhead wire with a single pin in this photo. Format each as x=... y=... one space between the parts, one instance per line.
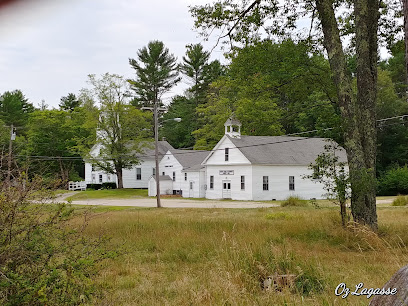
x=124 y=157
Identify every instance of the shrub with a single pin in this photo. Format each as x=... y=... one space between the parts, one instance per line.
x=108 y=185
x=94 y=186
x=394 y=181
x=400 y=201
x=45 y=258
x=294 y=201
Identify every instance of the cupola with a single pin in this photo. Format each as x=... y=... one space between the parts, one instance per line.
x=233 y=127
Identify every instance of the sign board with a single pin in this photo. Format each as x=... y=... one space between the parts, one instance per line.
x=226 y=172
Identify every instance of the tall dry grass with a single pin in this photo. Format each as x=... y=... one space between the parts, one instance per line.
x=217 y=256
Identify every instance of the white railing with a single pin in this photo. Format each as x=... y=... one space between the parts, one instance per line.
x=77 y=185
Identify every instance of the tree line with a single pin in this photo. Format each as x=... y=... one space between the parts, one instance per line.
x=273 y=87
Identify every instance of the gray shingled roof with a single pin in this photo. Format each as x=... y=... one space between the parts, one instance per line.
x=282 y=150
x=190 y=159
x=149 y=152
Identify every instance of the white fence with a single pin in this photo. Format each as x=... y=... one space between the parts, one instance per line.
x=77 y=185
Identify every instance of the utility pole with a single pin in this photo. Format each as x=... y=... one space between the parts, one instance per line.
x=156 y=153
x=12 y=137
x=156 y=110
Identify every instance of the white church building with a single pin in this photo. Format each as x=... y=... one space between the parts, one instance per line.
x=136 y=177
x=243 y=167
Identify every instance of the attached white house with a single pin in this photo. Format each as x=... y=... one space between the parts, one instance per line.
x=184 y=169
x=136 y=177
x=246 y=168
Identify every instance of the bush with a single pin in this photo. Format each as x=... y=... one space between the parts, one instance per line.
x=45 y=259
x=400 y=201
x=94 y=186
x=108 y=186
x=395 y=181
x=294 y=201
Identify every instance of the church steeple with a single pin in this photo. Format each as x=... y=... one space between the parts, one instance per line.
x=233 y=127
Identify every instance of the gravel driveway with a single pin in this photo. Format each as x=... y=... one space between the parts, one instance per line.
x=178 y=202
x=171 y=203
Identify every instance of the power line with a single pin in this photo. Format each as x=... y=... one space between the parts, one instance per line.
x=124 y=157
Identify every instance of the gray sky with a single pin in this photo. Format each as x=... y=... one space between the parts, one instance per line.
x=48 y=47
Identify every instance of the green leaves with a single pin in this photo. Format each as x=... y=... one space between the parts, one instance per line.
x=156 y=72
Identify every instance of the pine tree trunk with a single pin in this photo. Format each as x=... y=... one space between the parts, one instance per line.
x=358 y=112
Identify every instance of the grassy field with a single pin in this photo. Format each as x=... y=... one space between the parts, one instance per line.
x=109 y=194
x=216 y=256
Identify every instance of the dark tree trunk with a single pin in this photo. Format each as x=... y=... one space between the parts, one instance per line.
x=363 y=202
x=405 y=12
x=119 y=175
x=358 y=113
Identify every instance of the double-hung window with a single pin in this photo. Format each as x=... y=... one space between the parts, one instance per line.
x=226 y=154
x=185 y=176
x=212 y=182
x=138 y=174
x=242 y=182
x=291 y=183
x=265 y=183
x=174 y=176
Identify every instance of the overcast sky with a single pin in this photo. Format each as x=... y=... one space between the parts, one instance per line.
x=48 y=47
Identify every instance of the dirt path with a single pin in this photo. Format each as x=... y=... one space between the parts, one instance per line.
x=173 y=203
x=177 y=202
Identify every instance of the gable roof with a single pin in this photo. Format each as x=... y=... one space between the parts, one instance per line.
x=149 y=152
x=162 y=177
x=190 y=159
x=283 y=150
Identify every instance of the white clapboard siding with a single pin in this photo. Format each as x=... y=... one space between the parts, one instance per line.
x=279 y=183
x=129 y=175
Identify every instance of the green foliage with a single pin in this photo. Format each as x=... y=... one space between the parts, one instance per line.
x=15 y=108
x=179 y=134
x=44 y=256
x=396 y=66
x=271 y=88
x=294 y=201
x=122 y=132
x=156 y=73
x=400 y=201
x=392 y=135
x=394 y=181
x=55 y=133
x=69 y=103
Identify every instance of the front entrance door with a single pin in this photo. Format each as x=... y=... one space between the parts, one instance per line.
x=226 y=189
x=191 y=191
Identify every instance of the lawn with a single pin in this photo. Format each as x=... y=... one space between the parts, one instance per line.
x=216 y=256
x=109 y=194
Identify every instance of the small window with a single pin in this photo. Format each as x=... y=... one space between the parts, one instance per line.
x=93 y=167
x=242 y=182
x=174 y=176
x=265 y=185
x=191 y=185
x=211 y=182
x=185 y=176
x=154 y=171
x=138 y=174
x=163 y=173
x=93 y=177
x=291 y=183
x=100 y=178
x=226 y=154
x=109 y=177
